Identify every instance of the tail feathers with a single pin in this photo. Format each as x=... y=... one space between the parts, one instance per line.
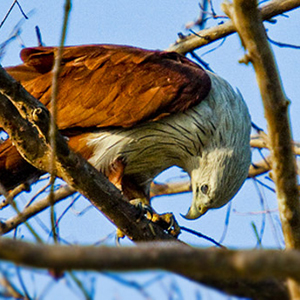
x=14 y=170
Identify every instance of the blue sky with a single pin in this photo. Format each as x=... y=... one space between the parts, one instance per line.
x=154 y=25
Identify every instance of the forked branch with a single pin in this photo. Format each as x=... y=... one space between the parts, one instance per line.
x=207 y=36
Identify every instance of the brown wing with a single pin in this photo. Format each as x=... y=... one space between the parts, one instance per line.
x=105 y=85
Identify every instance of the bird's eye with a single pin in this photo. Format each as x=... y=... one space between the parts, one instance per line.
x=204 y=189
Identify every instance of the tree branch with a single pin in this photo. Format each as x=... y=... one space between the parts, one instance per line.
x=248 y=22
x=208 y=265
x=34 y=209
x=207 y=36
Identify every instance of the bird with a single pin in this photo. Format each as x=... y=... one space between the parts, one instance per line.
x=133 y=113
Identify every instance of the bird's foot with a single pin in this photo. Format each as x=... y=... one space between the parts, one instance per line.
x=166 y=221
x=144 y=210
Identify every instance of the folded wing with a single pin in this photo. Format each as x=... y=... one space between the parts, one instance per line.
x=106 y=85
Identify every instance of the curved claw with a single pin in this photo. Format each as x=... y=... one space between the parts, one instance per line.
x=174 y=228
x=119 y=235
x=168 y=222
x=148 y=209
x=143 y=208
x=172 y=223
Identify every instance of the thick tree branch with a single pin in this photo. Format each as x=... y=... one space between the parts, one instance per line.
x=207 y=36
x=208 y=265
x=34 y=147
x=248 y=22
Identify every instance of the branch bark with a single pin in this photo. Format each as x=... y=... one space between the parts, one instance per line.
x=204 y=265
x=207 y=36
x=248 y=22
x=35 y=208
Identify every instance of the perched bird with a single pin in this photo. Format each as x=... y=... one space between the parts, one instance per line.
x=134 y=113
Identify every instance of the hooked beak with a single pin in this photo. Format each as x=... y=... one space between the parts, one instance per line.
x=195 y=213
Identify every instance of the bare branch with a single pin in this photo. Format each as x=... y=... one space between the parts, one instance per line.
x=201 y=20
x=53 y=116
x=39 y=36
x=208 y=265
x=35 y=208
x=248 y=22
x=284 y=45
x=207 y=36
x=10 y=9
x=12 y=194
x=10 y=290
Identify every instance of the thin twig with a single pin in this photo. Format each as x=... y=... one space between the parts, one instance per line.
x=53 y=110
x=226 y=223
x=201 y=61
x=21 y=281
x=80 y=286
x=11 y=290
x=280 y=44
x=10 y=10
x=202 y=17
x=9 y=197
x=21 y=10
x=206 y=36
x=39 y=36
x=38 y=193
x=268 y=212
x=201 y=235
x=129 y=283
x=34 y=209
x=29 y=227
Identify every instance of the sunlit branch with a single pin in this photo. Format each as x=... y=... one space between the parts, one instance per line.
x=192 y=42
x=248 y=22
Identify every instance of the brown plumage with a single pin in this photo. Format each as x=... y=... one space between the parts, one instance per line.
x=107 y=78
x=131 y=112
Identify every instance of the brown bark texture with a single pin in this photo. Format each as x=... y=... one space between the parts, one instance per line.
x=248 y=22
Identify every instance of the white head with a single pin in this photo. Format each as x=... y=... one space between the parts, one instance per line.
x=216 y=177
x=219 y=172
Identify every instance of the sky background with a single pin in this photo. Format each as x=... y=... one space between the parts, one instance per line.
x=155 y=25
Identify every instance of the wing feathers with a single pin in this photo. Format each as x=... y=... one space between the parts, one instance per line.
x=105 y=85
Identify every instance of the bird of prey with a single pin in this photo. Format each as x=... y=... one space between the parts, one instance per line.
x=133 y=113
